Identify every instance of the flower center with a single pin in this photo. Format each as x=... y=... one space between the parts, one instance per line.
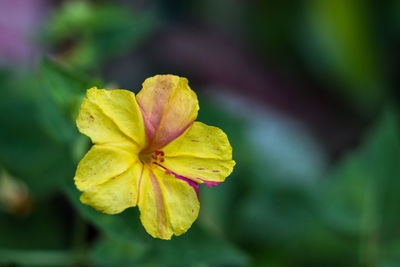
x=154 y=157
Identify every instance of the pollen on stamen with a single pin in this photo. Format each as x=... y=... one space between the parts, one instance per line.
x=154 y=156
x=162 y=160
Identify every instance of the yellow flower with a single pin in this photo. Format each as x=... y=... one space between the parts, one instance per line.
x=149 y=151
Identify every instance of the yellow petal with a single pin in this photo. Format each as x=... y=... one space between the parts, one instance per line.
x=202 y=154
x=117 y=194
x=112 y=117
x=167 y=205
x=168 y=107
x=100 y=164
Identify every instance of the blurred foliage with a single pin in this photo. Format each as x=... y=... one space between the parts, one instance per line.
x=341 y=37
x=89 y=34
x=286 y=204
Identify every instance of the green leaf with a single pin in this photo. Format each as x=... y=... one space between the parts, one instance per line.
x=100 y=31
x=44 y=228
x=341 y=49
x=362 y=197
x=62 y=92
x=125 y=226
x=194 y=248
x=111 y=250
x=26 y=150
x=197 y=247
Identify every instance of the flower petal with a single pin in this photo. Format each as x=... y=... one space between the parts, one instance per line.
x=168 y=107
x=111 y=117
x=100 y=164
x=117 y=194
x=202 y=154
x=167 y=205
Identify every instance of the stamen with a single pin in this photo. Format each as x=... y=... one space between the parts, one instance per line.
x=159 y=152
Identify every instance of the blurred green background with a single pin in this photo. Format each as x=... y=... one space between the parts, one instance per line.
x=305 y=90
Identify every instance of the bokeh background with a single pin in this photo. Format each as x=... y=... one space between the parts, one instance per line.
x=305 y=90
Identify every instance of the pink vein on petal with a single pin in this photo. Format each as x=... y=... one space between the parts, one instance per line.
x=160 y=205
x=139 y=184
x=209 y=183
x=150 y=131
x=152 y=125
x=170 y=136
x=194 y=185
